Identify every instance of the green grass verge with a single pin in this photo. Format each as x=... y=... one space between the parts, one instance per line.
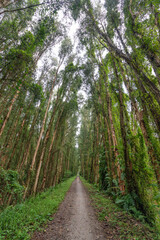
x=122 y=224
x=18 y=222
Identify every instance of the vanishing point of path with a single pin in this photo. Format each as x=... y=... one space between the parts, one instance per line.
x=75 y=219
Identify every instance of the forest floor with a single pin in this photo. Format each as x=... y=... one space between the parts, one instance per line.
x=77 y=218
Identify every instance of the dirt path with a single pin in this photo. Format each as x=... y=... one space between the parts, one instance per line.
x=75 y=219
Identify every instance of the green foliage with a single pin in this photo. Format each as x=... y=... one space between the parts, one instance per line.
x=75 y=8
x=67 y=174
x=17 y=57
x=27 y=42
x=45 y=27
x=36 y=89
x=103 y=184
x=18 y=222
x=10 y=186
x=128 y=203
x=66 y=48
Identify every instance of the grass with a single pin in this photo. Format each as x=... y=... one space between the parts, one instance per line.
x=18 y=222
x=122 y=224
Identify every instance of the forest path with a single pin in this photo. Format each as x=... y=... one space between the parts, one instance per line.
x=75 y=219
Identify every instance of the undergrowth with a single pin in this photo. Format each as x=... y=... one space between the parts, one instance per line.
x=124 y=225
x=19 y=221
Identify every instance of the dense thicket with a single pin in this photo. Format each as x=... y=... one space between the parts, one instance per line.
x=118 y=143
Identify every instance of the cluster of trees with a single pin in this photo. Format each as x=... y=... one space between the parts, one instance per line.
x=118 y=143
x=38 y=108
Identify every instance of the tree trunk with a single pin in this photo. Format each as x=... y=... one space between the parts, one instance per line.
x=9 y=111
x=128 y=166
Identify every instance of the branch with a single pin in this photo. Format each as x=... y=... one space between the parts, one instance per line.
x=102 y=43
x=23 y=8
x=130 y=10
